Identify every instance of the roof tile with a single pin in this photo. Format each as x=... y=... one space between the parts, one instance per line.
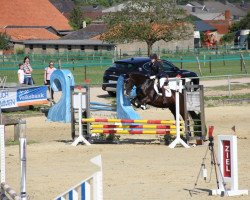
x=29 y=34
x=31 y=13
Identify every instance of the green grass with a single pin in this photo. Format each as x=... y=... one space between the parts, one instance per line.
x=95 y=74
x=95 y=65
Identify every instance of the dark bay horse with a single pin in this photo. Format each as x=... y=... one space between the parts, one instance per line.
x=146 y=94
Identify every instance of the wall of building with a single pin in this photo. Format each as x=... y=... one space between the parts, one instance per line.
x=159 y=46
x=50 y=49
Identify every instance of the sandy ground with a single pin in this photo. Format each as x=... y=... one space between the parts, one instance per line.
x=132 y=170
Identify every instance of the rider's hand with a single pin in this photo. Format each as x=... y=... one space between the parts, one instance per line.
x=152 y=77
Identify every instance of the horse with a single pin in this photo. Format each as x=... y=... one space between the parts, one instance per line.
x=146 y=94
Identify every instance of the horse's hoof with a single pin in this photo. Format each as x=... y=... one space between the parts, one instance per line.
x=143 y=107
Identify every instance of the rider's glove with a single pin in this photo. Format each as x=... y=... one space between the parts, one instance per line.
x=152 y=77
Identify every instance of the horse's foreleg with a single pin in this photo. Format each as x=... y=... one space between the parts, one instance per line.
x=144 y=101
x=135 y=102
x=172 y=109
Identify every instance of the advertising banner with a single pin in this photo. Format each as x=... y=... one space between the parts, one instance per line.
x=7 y=99
x=11 y=98
x=31 y=96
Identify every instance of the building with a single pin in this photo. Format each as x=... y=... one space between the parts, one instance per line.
x=60 y=46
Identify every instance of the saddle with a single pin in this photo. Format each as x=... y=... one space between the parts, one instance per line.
x=164 y=90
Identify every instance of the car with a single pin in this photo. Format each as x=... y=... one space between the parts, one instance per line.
x=140 y=65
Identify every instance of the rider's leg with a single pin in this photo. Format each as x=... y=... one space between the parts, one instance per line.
x=162 y=81
x=155 y=86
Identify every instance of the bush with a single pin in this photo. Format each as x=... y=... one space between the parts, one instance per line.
x=20 y=51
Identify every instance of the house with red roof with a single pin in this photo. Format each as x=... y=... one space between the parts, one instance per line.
x=31 y=20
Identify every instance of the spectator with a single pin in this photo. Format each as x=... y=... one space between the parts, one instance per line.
x=47 y=74
x=27 y=71
x=20 y=73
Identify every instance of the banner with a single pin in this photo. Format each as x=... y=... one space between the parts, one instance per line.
x=7 y=99
x=31 y=96
x=10 y=98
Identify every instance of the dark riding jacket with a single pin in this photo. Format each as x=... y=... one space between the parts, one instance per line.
x=156 y=69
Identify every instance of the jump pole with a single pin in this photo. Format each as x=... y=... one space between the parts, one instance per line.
x=178 y=139
x=5 y=188
x=228 y=163
x=80 y=137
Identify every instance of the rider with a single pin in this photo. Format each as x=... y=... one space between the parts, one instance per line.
x=157 y=73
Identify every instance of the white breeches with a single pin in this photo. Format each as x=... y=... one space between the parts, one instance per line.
x=162 y=81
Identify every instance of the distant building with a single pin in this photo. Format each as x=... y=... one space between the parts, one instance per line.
x=214 y=10
x=60 y=46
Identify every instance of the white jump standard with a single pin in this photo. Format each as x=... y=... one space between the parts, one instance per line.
x=228 y=162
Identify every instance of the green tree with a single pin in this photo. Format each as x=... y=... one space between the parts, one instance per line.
x=4 y=41
x=240 y=25
x=76 y=18
x=148 y=21
x=244 y=23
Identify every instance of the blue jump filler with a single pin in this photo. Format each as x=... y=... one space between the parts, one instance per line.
x=61 y=80
x=124 y=108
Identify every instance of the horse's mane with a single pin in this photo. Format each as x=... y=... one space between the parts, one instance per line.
x=138 y=78
x=137 y=75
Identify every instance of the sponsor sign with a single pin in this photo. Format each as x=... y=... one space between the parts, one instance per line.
x=7 y=99
x=31 y=96
x=10 y=98
x=226 y=158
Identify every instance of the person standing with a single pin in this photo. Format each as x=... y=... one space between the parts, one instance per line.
x=20 y=74
x=27 y=71
x=47 y=74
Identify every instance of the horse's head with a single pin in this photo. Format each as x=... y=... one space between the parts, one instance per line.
x=128 y=85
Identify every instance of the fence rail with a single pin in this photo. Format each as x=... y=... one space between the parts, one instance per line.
x=92 y=65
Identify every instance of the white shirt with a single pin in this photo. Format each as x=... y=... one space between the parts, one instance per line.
x=20 y=73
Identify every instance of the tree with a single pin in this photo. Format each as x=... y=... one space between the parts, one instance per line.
x=76 y=19
x=244 y=23
x=240 y=25
x=148 y=21
x=4 y=41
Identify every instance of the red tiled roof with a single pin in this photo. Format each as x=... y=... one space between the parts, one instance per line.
x=29 y=34
x=222 y=26
x=31 y=13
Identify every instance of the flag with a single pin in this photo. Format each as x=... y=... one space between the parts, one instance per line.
x=97 y=160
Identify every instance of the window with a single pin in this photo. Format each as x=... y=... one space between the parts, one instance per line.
x=95 y=48
x=167 y=66
x=69 y=47
x=82 y=47
x=44 y=47
x=31 y=46
x=56 y=47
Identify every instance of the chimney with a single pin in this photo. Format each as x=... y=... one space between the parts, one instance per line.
x=193 y=9
x=84 y=24
x=227 y=15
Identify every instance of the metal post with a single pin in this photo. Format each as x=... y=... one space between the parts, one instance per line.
x=2 y=143
x=229 y=86
x=177 y=113
x=23 y=144
x=210 y=65
x=80 y=137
